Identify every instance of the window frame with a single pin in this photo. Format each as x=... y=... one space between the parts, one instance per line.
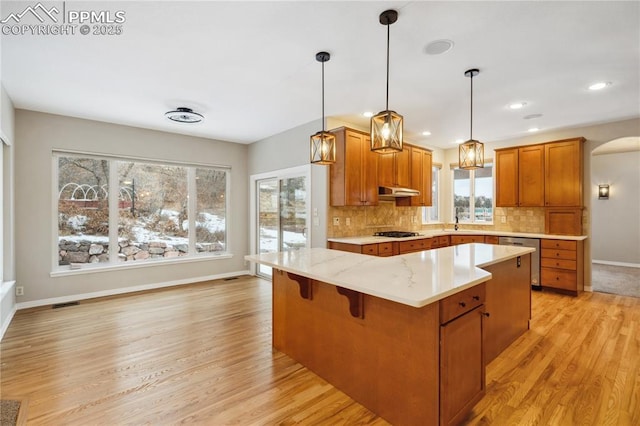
x=113 y=263
x=472 y=194
x=426 y=211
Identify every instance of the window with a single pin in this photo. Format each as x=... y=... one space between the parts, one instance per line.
x=432 y=214
x=159 y=211
x=473 y=192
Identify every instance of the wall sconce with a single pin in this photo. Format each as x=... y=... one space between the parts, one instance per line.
x=603 y=192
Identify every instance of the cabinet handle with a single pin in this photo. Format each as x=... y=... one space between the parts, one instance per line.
x=462 y=304
x=486 y=314
x=476 y=297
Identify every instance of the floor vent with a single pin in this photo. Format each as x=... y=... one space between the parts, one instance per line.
x=231 y=278
x=63 y=305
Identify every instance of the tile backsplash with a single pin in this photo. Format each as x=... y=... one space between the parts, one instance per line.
x=360 y=221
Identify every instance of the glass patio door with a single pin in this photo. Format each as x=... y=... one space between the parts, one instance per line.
x=281 y=216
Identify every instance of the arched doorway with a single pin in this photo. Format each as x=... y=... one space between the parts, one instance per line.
x=615 y=217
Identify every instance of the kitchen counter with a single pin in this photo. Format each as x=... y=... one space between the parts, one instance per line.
x=363 y=240
x=415 y=279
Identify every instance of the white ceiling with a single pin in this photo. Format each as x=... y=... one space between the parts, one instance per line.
x=250 y=67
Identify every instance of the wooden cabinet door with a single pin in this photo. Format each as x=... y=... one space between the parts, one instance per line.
x=462 y=377
x=421 y=164
x=506 y=168
x=563 y=173
x=369 y=169
x=531 y=176
x=393 y=169
x=354 y=175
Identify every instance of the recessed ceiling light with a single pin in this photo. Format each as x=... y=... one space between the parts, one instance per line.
x=368 y=114
x=533 y=129
x=517 y=105
x=600 y=85
x=438 y=47
x=426 y=133
x=530 y=116
x=184 y=115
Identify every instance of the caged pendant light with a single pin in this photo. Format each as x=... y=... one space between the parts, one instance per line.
x=386 y=126
x=471 y=152
x=323 y=144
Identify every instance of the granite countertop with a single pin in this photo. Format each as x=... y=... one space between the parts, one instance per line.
x=414 y=279
x=365 y=239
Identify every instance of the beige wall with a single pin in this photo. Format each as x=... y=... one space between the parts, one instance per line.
x=38 y=134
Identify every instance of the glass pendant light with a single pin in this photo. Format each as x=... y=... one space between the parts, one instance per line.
x=323 y=144
x=471 y=152
x=386 y=126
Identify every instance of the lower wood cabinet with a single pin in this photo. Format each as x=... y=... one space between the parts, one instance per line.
x=412 y=246
x=462 y=368
x=561 y=265
x=441 y=241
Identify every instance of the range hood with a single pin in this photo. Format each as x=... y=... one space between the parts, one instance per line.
x=392 y=192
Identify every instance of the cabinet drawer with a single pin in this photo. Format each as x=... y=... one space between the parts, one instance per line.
x=460 y=303
x=413 y=245
x=370 y=249
x=558 y=278
x=385 y=249
x=558 y=263
x=558 y=254
x=466 y=239
x=491 y=239
x=558 y=244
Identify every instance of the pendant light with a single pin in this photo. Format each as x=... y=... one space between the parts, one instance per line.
x=386 y=126
x=471 y=152
x=323 y=144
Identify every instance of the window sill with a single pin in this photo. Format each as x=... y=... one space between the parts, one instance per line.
x=95 y=268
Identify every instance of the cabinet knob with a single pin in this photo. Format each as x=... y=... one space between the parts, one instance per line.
x=476 y=297
x=486 y=314
x=557 y=278
x=462 y=304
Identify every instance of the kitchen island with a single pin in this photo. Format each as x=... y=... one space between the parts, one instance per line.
x=405 y=336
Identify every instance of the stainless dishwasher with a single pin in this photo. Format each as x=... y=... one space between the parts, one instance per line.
x=535 y=256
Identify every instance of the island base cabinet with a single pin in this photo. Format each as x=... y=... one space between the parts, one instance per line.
x=462 y=373
x=508 y=304
x=387 y=360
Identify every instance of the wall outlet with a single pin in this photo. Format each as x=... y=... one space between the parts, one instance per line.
x=348 y=221
x=19 y=291
x=503 y=219
x=336 y=221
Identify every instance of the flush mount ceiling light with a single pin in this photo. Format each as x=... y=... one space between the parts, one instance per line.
x=471 y=152
x=184 y=115
x=323 y=144
x=438 y=47
x=386 y=126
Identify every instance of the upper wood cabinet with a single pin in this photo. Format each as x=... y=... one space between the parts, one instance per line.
x=563 y=173
x=544 y=175
x=393 y=169
x=520 y=177
x=354 y=180
x=420 y=172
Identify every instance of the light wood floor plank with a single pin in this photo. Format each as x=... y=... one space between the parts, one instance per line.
x=201 y=354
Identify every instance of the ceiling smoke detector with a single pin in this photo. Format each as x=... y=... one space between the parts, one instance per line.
x=184 y=115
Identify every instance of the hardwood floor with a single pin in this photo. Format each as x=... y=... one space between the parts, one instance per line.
x=201 y=354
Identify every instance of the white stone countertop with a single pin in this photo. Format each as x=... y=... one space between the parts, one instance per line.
x=368 y=239
x=414 y=279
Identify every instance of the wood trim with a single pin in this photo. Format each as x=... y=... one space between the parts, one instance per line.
x=356 y=301
x=304 y=284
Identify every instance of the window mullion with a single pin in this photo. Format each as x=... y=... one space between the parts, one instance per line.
x=114 y=193
x=191 y=208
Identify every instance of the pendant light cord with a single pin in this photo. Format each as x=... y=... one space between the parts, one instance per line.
x=388 y=38
x=323 y=97
x=471 y=120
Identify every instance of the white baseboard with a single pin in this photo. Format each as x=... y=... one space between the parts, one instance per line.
x=588 y=288
x=606 y=262
x=124 y=290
